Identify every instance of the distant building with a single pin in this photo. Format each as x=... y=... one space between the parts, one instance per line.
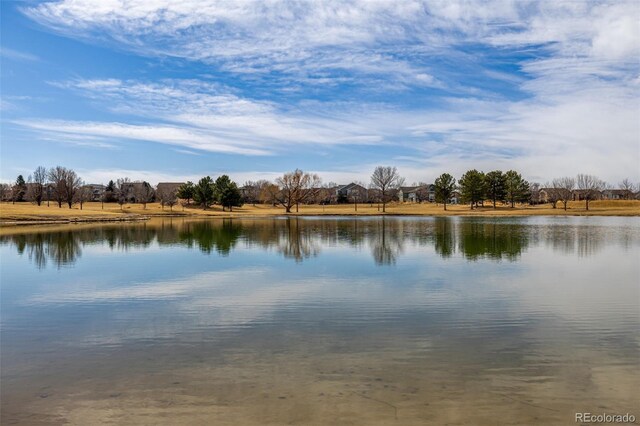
x=169 y=187
x=617 y=194
x=97 y=191
x=417 y=194
x=348 y=191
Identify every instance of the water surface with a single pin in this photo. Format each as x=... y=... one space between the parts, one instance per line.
x=321 y=321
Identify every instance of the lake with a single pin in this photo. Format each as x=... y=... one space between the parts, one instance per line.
x=314 y=321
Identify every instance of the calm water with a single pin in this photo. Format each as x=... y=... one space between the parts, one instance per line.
x=321 y=321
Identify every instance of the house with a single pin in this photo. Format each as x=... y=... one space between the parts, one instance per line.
x=581 y=194
x=456 y=198
x=135 y=191
x=617 y=194
x=97 y=191
x=420 y=193
x=545 y=195
x=350 y=191
x=168 y=187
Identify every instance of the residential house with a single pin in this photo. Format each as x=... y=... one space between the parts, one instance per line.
x=580 y=194
x=347 y=192
x=132 y=191
x=97 y=191
x=169 y=187
x=617 y=194
x=456 y=198
x=420 y=193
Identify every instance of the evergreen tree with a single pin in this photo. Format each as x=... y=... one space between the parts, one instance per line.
x=445 y=185
x=472 y=187
x=227 y=193
x=516 y=188
x=186 y=191
x=109 y=192
x=19 y=189
x=203 y=193
x=495 y=185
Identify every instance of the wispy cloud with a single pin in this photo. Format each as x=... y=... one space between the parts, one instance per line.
x=550 y=88
x=17 y=55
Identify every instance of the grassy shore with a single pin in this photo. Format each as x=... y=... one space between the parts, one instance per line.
x=25 y=213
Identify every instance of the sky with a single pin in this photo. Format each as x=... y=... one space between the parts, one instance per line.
x=165 y=90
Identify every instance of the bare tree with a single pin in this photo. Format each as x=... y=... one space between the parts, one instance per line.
x=590 y=187
x=268 y=193
x=57 y=176
x=310 y=190
x=72 y=184
x=5 y=191
x=166 y=197
x=564 y=187
x=143 y=192
x=553 y=193
x=84 y=194
x=123 y=185
x=37 y=187
x=534 y=193
x=252 y=191
x=387 y=181
x=294 y=187
x=628 y=187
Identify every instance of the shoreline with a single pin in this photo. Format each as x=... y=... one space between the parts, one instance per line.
x=26 y=214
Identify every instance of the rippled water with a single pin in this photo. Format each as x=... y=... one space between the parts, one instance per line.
x=321 y=321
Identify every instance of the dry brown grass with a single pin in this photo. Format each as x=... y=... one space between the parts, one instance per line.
x=27 y=212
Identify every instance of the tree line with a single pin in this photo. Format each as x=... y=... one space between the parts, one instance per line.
x=64 y=187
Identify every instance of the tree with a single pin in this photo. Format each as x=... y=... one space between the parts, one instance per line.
x=252 y=191
x=186 y=191
x=309 y=190
x=516 y=189
x=166 y=197
x=85 y=193
x=72 y=184
x=590 y=187
x=495 y=186
x=19 y=189
x=290 y=188
x=5 y=191
x=122 y=187
x=109 y=193
x=203 y=192
x=386 y=181
x=472 y=187
x=628 y=187
x=445 y=185
x=39 y=181
x=268 y=193
x=534 y=193
x=227 y=193
x=143 y=193
x=564 y=187
x=57 y=176
x=553 y=193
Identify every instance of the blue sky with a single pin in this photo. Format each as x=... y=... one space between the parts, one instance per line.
x=163 y=90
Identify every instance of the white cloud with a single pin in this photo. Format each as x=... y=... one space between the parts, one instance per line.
x=576 y=111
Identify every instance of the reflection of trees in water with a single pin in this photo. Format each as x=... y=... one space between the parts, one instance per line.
x=301 y=238
x=492 y=240
x=582 y=240
x=210 y=236
x=61 y=248
x=297 y=242
x=386 y=241
x=444 y=237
